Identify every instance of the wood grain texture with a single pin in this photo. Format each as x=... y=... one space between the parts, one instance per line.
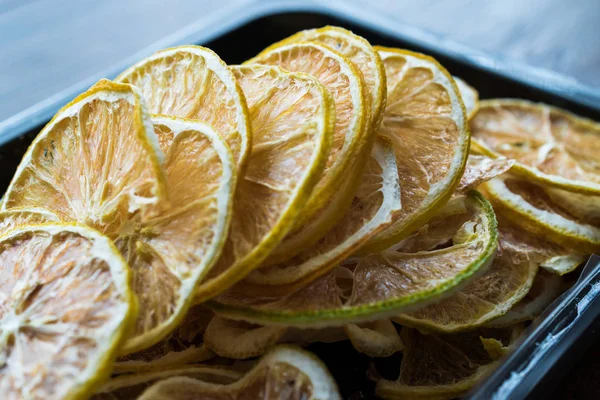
x=563 y=36
x=50 y=45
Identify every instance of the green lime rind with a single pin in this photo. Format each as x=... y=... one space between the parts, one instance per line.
x=337 y=315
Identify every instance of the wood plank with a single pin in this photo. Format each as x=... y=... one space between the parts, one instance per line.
x=50 y=45
x=561 y=36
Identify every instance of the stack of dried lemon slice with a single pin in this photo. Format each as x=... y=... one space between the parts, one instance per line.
x=554 y=188
x=191 y=214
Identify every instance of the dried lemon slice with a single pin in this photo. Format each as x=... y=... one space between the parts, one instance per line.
x=351 y=139
x=545 y=289
x=17 y=217
x=425 y=119
x=168 y=247
x=284 y=373
x=161 y=357
x=444 y=367
x=376 y=201
x=488 y=296
x=550 y=145
x=182 y=346
x=193 y=82
x=96 y=162
x=174 y=249
x=498 y=289
x=469 y=95
x=480 y=169
x=375 y=339
x=360 y=52
x=380 y=285
x=66 y=306
x=130 y=386
x=292 y=119
x=551 y=256
x=530 y=206
x=239 y=340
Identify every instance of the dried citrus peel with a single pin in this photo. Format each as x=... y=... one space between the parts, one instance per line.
x=378 y=286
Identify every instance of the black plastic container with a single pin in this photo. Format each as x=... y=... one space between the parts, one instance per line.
x=558 y=338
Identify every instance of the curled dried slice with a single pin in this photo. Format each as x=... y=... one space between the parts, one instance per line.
x=376 y=201
x=17 y=217
x=375 y=339
x=174 y=249
x=351 y=139
x=491 y=294
x=362 y=54
x=237 y=339
x=545 y=289
x=193 y=82
x=380 y=285
x=182 y=346
x=550 y=145
x=529 y=205
x=284 y=373
x=480 y=169
x=240 y=340
x=159 y=357
x=66 y=306
x=564 y=263
x=551 y=256
x=469 y=95
x=444 y=367
x=292 y=120
x=127 y=387
x=97 y=162
x=426 y=121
